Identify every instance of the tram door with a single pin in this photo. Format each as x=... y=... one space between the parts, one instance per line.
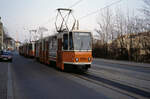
x=59 y=55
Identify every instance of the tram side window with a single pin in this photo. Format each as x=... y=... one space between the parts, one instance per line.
x=65 y=41
x=30 y=47
x=50 y=44
x=54 y=43
x=70 y=41
x=33 y=46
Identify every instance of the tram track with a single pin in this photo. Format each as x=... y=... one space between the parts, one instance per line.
x=114 y=85
x=122 y=78
x=118 y=71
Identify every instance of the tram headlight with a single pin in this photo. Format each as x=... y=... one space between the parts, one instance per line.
x=77 y=59
x=89 y=59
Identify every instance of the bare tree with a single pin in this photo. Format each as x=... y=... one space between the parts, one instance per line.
x=146 y=8
x=125 y=32
x=105 y=28
x=146 y=12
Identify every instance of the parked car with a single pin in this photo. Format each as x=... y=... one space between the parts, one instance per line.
x=6 y=56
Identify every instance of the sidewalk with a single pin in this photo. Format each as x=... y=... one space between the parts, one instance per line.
x=145 y=65
x=3 y=80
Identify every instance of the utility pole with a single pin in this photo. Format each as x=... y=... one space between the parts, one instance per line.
x=30 y=35
x=1 y=35
x=17 y=36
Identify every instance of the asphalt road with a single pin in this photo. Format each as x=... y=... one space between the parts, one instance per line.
x=33 y=80
x=123 y=66
x=3 y=80
x=137 y=76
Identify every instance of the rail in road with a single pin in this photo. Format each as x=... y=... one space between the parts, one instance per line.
x=113 y=85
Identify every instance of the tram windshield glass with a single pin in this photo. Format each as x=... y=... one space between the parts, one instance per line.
x=82 y=41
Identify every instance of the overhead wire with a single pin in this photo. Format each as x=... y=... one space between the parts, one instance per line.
x=76 y=3
x=89 y=14
x=73 y=5
x=79 y=1
x=94 y=12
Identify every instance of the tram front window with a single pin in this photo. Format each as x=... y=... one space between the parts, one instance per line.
x=82 y=41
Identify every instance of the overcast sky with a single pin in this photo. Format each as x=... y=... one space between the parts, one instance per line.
x=19 y=16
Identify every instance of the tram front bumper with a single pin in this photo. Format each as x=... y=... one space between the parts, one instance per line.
x=78 y=65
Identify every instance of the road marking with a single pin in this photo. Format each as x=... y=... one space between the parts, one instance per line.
x=9 y=84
